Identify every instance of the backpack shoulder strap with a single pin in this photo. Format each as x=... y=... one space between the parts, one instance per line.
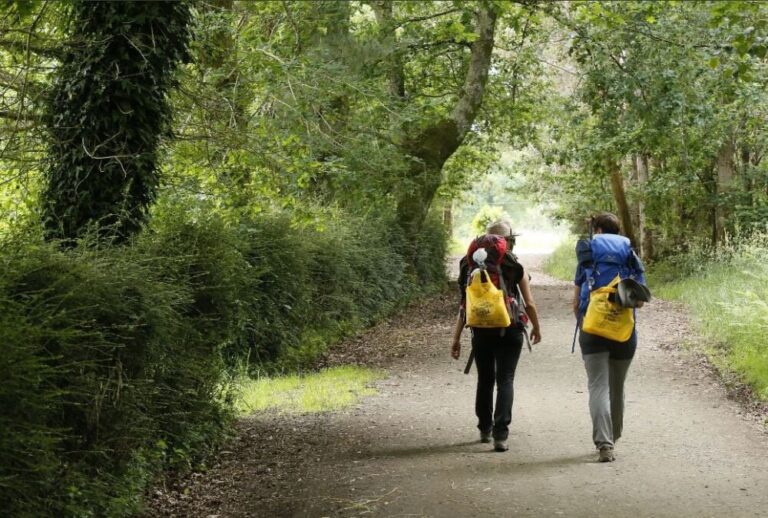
x=634 y=263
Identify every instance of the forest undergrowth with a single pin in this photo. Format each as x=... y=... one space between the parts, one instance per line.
x=126 y=361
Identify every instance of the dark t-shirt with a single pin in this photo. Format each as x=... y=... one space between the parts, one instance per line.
x=591 y=344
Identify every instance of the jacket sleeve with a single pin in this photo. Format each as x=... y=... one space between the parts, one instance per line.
x=580 y=275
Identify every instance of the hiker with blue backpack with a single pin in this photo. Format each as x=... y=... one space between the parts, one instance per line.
x=496 y=304
x=609 y=285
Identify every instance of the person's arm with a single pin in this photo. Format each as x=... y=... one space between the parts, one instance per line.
x=456 y=345
x=530 y=308
x=576 y=299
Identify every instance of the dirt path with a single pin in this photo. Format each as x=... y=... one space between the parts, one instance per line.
x=412 y=450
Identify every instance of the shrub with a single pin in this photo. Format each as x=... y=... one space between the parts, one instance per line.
x=117 y=360
x=562 y=262
x=99 y=326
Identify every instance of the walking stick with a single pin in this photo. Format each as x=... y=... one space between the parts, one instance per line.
x=575 y=332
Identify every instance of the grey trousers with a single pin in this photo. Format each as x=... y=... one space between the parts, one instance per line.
x=605 y=377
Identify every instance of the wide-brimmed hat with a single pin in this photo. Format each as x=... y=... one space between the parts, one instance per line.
x=630 y=292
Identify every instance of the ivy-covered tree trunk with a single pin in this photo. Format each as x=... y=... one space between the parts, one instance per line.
x=107 y=114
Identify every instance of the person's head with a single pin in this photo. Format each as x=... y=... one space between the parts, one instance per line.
x=606 y=223
x=502 y=228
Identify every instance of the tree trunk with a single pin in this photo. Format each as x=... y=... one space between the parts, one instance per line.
x=383 y=9
x=646 y=237
x=433 y=146
x=635 y=207
x=103 y=173
x=448 y=216
x=620 y=198
x=725 y=176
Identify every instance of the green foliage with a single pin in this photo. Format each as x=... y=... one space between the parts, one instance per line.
x=561 y=264
x=119 y=361
x=644 y=91
x=726 y=292
x=485 y=216
x=108 y=370
x=108 y=113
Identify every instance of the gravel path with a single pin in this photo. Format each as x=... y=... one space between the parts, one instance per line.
x=412 y=450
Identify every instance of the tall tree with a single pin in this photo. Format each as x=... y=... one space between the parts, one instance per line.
x=107 y=114
x=431 y=143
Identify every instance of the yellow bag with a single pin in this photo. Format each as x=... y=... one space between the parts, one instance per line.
x=608 y=319
x=486 y=306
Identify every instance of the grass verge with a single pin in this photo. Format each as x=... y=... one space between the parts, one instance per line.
x=331 y=389
x=561 y=264
x=727 y=296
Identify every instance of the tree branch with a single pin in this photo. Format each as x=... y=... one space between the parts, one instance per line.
x=17 y=116
x=384 y=17
x=477 y=74
x=427 y=17
x=42 y=50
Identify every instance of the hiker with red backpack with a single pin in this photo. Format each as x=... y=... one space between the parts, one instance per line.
x=490 y=267
x=609 y=285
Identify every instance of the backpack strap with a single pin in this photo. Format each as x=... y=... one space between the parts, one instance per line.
x=503 y=284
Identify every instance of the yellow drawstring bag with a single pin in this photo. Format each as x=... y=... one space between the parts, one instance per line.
x=608 y=319
x=486 y=306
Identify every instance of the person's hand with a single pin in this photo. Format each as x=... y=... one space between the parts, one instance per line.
x=456 y=350
x=535 y=336
x=576 y=312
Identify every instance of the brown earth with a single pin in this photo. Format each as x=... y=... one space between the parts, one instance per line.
x=412 y=449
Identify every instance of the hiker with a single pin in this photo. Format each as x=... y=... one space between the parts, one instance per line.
x=606 y=360
x=497 y=350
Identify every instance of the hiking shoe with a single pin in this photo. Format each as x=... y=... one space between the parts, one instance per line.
x=500 y=445
x=606 y=454
x=485 y=437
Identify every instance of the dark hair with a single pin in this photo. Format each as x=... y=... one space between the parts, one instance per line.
x=607 y=222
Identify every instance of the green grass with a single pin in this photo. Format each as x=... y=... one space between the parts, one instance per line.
x=728 y=296
x=562 y=263
x=331 y=389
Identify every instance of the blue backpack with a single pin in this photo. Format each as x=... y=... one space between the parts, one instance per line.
x=601 y=259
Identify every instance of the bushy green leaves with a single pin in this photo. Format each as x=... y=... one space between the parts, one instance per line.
x=649 y=91
x=117 y=361
x=108 y=113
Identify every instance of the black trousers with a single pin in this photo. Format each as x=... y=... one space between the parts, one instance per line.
x=496 y=360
